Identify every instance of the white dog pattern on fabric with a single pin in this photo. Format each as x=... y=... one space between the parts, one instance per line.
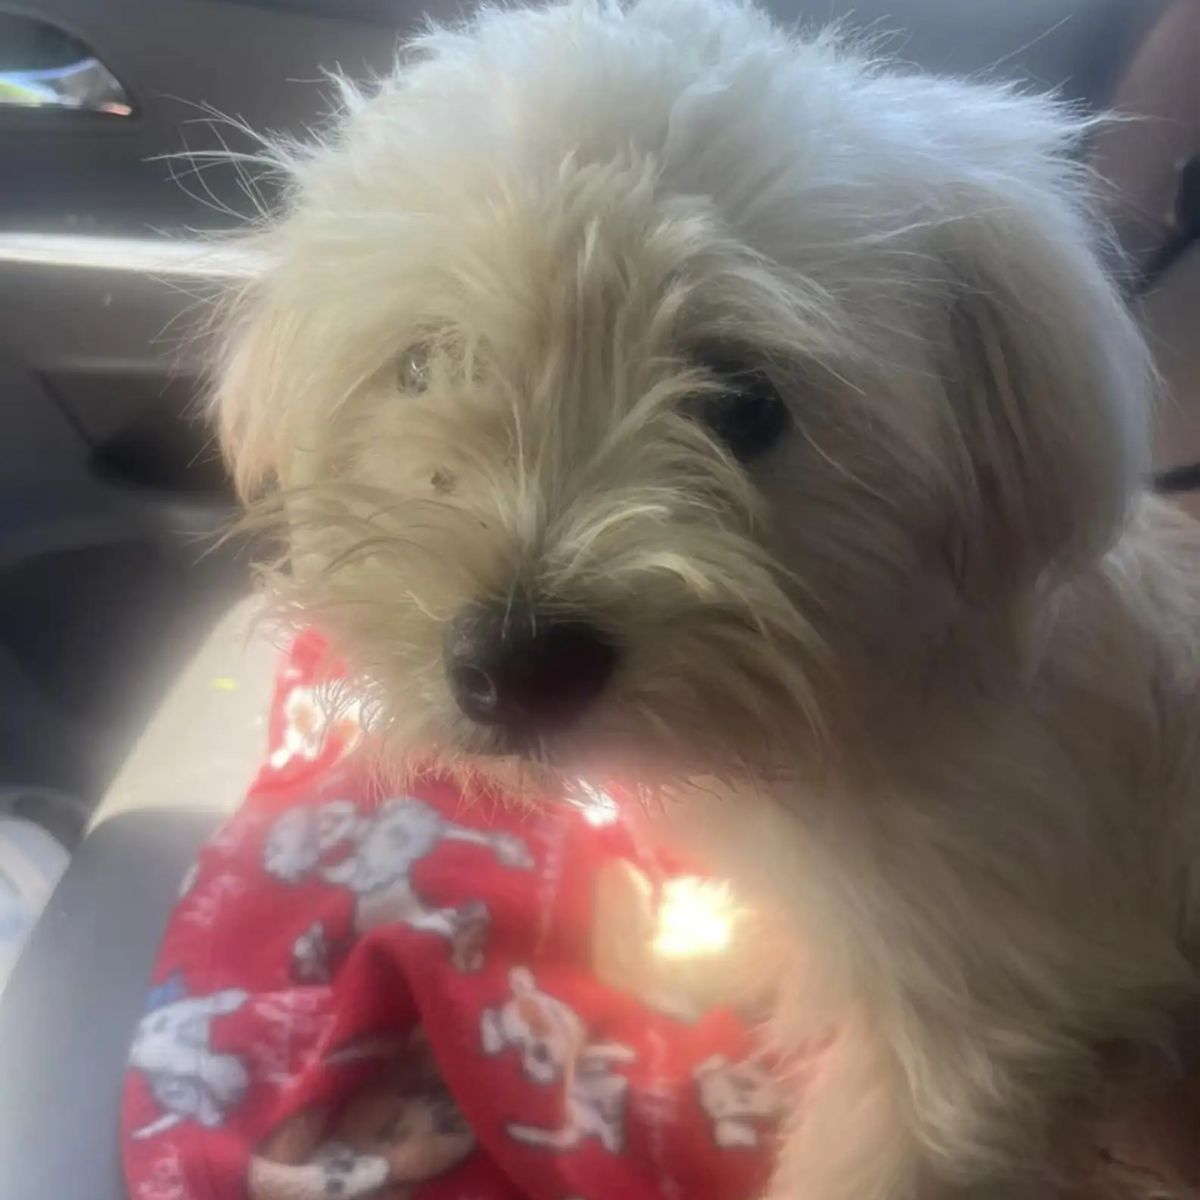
x=312 y=955
x=552 y=1044
x=310 y=718
x=373 y=857
x=738 y=1097
x=187 y=1078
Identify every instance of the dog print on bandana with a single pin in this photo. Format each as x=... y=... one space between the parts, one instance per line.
x=391 y=995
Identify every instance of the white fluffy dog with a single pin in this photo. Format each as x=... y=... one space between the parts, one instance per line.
x=645 y=390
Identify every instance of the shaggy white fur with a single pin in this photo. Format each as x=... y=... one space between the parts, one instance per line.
x=922 y=678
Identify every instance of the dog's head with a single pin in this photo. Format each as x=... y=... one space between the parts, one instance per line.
x=645 y=385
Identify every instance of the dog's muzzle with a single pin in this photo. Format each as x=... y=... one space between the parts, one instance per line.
x=527 y=674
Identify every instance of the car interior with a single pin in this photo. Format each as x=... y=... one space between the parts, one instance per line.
x=135 y=668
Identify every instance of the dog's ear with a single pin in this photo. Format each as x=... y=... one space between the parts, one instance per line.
x=1047 y=379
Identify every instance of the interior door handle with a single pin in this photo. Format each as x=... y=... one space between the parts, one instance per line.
x=43 y=67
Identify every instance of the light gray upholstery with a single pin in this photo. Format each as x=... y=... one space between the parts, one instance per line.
x=68 y=1013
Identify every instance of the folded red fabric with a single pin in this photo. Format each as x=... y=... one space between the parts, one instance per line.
x=366 y=993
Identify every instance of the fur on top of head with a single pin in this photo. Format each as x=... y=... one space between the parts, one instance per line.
x=505 y=279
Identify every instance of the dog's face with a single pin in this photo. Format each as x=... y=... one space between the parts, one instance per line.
x=649 y=388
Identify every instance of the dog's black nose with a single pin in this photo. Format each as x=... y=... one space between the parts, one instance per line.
x=513 y=667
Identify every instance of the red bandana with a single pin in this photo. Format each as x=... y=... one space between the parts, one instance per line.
x=416 y=997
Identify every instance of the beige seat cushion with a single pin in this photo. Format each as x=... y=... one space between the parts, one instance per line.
x=206 y=739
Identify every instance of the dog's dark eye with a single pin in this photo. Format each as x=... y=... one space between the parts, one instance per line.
x=747 y=416
x=412 y=372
